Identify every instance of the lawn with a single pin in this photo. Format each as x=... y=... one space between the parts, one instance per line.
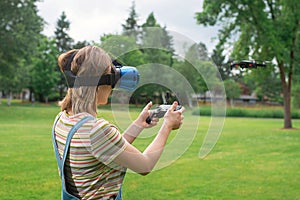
x=253 y=159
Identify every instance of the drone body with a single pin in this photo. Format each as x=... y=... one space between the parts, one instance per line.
x=247 y=64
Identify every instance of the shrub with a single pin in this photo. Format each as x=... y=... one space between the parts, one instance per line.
x=247 y=112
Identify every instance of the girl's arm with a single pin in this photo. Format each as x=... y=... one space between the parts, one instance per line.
x=143 y=163
x=133 y=131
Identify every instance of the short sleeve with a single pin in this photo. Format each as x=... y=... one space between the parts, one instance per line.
x=106 y=142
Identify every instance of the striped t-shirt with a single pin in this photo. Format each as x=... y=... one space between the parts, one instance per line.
x=90 y=172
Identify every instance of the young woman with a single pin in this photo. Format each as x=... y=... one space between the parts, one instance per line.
x=99 y=154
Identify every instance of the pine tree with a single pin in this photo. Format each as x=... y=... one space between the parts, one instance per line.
x=157 y=42
x=63 y=40
x=63 y=43
x=131 y=28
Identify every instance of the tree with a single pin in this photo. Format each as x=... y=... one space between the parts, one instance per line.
x=265 y=30
x=296 y=96
x=16 y=80
x=123 y=48
x=20 y=29
x=151 y=21
x=265 y=83
x=156 y=45
x=44 y=76
x=80 y=44
x=206 y=74
x=63 y=43
x=198 y=51
x=296 y=82
x=131 y=28
x=232 y=90
x=219 y=60
x=156 y=42
x=197 y=70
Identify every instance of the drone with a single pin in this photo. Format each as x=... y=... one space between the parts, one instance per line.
x=247 y=64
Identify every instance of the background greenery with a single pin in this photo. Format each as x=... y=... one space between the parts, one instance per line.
x=253 y=159
x=254 y=111
x=28 y=58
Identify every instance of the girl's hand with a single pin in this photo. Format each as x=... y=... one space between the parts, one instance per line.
x=173 y=119
x=141 y=120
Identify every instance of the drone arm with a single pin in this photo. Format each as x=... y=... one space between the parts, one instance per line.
x=261 y=64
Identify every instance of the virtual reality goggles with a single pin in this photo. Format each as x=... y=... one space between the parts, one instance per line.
x=123 y=77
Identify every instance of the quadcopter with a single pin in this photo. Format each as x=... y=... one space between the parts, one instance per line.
x=247 y=64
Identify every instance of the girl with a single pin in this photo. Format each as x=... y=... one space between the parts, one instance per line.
x=99 y=154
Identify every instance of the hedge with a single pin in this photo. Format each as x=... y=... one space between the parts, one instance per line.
x=246 y=112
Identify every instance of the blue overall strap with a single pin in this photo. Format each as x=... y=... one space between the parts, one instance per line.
x=70 y=135
x=54 y=141
x=65 y=194
x=60 y=161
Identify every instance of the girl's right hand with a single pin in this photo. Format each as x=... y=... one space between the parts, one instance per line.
x=173 y=119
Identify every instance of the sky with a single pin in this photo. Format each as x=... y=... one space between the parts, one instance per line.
x=91 y=19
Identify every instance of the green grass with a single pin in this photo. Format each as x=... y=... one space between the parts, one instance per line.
x=253 y=159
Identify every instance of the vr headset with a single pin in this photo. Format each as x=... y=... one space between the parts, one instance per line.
x=123 y=77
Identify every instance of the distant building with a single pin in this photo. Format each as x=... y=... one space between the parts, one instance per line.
x=209 y=97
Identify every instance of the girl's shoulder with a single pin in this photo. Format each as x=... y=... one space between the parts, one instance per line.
x=95 y=124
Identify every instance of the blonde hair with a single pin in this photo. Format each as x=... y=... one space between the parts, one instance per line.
x=90 y=61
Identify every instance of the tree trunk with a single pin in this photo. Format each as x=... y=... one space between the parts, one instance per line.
x=31 y=94
x=286 y=90
x=189 y=99
x=287 y=84
x=231 y=103
x=287 y=111
x=41 y=97
x=9 y=98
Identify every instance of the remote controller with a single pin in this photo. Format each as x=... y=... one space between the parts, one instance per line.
x=160 y=111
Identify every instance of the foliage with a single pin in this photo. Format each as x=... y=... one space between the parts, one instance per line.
x=63 y=40
x=296 y=84
x=123 y=48
x=63 y=43
x=20 y=29
x=17 y=79
x=197 y=52
x=219 y=60
x=131 y=28
x=232 y=88
x=296 y=96
x=265 y=83
x=198 y=69
x=80 y=44
x=44 y=70
x=156 y=43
